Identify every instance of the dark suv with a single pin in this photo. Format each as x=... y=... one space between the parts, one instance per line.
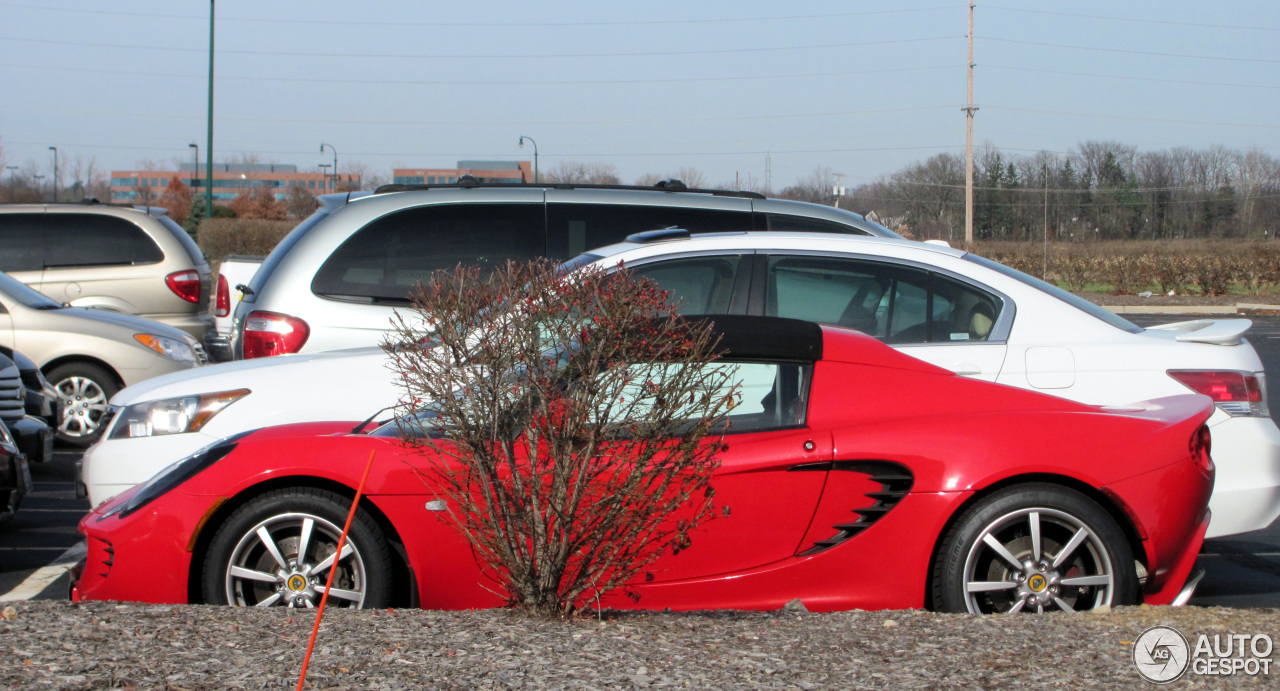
x=334 y=281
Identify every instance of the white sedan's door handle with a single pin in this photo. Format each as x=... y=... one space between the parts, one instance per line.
x=965 y=369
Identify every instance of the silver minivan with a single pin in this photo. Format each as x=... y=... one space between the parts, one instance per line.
x=335 y=281
x=89 y=354
x=122 y=259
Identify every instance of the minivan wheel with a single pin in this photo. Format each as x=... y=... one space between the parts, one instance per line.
x=84 y=390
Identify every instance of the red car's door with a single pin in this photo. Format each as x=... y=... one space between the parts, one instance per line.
x=767 y=488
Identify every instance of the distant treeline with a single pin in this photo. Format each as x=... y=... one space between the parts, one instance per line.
x=1198 y=267
x=1100 y=191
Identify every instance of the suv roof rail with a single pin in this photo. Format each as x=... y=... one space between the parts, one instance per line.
x=661 y=235
x=468 y=182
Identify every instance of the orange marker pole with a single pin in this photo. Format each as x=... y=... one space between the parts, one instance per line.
x=324 y=599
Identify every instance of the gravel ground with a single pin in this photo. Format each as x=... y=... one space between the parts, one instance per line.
x=59 y=645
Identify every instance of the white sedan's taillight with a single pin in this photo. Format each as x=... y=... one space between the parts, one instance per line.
x=1238 y=394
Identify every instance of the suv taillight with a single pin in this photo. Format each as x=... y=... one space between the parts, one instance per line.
x=184 y=284
x=1238 y=394
x=222 y=304
x=269 y=333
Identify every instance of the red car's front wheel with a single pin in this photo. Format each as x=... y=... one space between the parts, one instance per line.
x=278 y=549
x=1034 y=548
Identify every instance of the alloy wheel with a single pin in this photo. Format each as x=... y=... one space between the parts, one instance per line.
x=284 y=560
x=84 y=403
x=1037 y=559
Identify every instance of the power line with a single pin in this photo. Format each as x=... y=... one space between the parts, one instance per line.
x=1041 y=189
x=470 y=82
x=1138 y=79
x=496 y=56
x=344 y=22
x=1129 y=52
x=1198 y=25
x=597 y=154
x=1112 y=116
x=1059 y=203
x=508 y=123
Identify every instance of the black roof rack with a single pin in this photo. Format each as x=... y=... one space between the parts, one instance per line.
x=468 y=182
x=661 y=235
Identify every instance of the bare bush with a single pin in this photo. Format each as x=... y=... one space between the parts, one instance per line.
x=219 y=237
x=572 y=423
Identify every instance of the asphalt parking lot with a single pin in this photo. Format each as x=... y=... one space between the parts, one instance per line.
x=1240 y=571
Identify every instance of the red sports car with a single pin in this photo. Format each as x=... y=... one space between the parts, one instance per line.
x=857 y=477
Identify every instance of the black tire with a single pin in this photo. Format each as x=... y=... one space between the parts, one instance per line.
x=84 y=390
x=971 y=575
x=366 y=571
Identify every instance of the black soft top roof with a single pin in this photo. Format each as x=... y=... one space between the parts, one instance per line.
x=766 y=338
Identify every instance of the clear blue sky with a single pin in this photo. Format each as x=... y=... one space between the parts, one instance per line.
x=863 y=87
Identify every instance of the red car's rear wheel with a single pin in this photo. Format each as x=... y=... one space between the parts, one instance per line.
x=277 y=550
x=1034 y=548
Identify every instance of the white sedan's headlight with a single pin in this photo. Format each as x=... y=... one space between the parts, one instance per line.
x=168 y=347
x=172 y=415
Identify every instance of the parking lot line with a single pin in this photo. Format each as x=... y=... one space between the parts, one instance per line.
x=38 y=581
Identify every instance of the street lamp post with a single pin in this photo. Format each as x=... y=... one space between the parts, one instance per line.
x=335 y=163
x=54 y=149
x=326 y=176
x=535 y=155
x=208 y=148
x=195 y=167
x=39 y=184
x=13 y=183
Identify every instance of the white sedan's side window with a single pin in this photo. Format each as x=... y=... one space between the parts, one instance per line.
x=698 y=285
x=896 y=304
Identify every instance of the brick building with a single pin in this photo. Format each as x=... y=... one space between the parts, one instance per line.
x=485 y=171
x=229 y=180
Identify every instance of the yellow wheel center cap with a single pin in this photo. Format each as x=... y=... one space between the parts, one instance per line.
x=1037 y=582
x=297 y=583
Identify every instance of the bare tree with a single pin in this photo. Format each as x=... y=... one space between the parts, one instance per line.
x=365 y=177
x=571 y=423
x=301 y=202
x=817 y=187
x=594 y=173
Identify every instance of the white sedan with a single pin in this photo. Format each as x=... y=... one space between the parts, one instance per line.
x=942 y=305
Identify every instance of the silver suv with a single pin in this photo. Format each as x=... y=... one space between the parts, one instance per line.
x=335 y=280
x=117 y=258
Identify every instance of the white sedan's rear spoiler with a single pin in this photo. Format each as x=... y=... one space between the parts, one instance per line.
x=1214 y=331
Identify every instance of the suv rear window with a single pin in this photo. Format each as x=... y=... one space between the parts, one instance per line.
x=96 y=240
x=32 y=242
x=383 y=261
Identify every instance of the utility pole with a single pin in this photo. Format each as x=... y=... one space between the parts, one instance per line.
x=1044 y=270
x=54 y=149
x=838 y=191
x=968 y=143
